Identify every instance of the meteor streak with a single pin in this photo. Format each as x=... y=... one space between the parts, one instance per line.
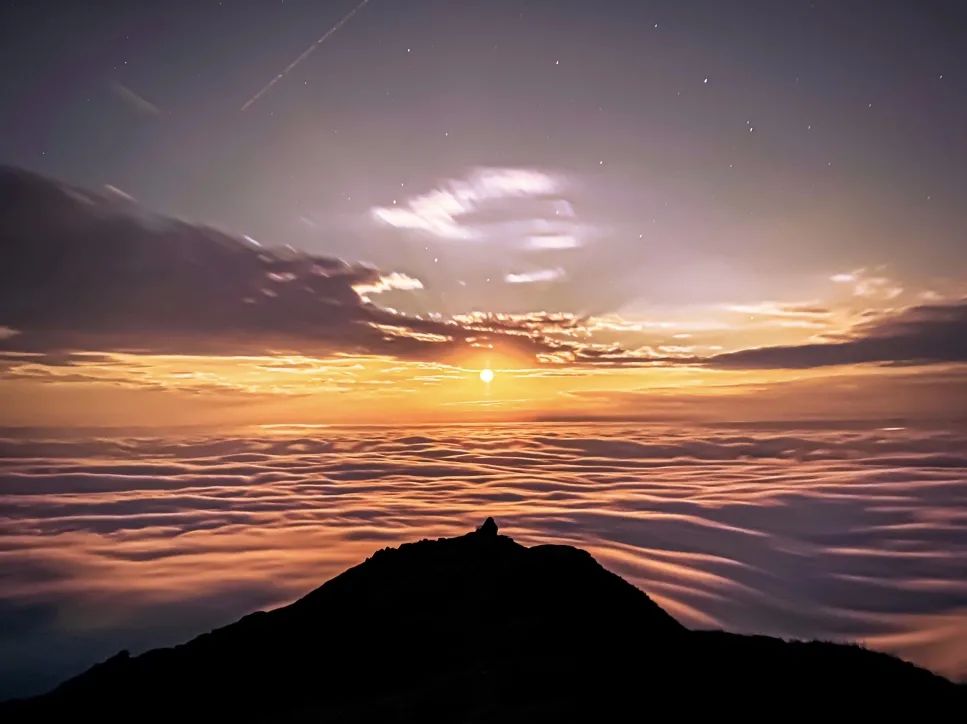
x=305 y=54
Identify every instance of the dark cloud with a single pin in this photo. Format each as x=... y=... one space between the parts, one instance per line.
x=919 y=335
x=87 y=271
x=83 y=271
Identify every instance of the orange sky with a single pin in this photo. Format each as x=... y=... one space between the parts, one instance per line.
x=186 y=390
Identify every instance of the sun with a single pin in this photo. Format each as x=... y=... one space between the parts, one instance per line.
x=487 y=375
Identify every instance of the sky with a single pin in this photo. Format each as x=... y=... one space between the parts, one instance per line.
x=670 y=210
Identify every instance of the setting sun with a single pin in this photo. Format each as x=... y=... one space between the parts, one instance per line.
x=487 y=375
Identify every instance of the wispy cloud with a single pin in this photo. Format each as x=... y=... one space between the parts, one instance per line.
x=396 y=331
x=520 y=203
x=780 y=309
x=441 y=212
x=869 y=284
x=552 y=242
x=388 y=282
x=806 y=315
x=532 y=277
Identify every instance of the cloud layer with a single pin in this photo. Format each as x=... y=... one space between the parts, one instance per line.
x=854 y=533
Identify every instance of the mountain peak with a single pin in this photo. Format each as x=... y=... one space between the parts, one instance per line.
x=452 y=630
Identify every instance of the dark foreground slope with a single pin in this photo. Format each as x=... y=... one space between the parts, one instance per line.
x=479 y=628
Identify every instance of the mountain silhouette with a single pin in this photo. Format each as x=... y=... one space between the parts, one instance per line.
x=480 y=628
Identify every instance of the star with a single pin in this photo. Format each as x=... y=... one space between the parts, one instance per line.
x=706 y=80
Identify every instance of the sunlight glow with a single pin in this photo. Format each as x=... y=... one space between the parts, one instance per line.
x=487 y=376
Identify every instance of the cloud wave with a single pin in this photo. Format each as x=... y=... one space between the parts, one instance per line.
x=853 y=533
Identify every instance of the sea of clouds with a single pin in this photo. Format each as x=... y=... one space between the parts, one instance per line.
x=855 y=533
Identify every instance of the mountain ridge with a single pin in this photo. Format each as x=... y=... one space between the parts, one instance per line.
x=475 y=628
